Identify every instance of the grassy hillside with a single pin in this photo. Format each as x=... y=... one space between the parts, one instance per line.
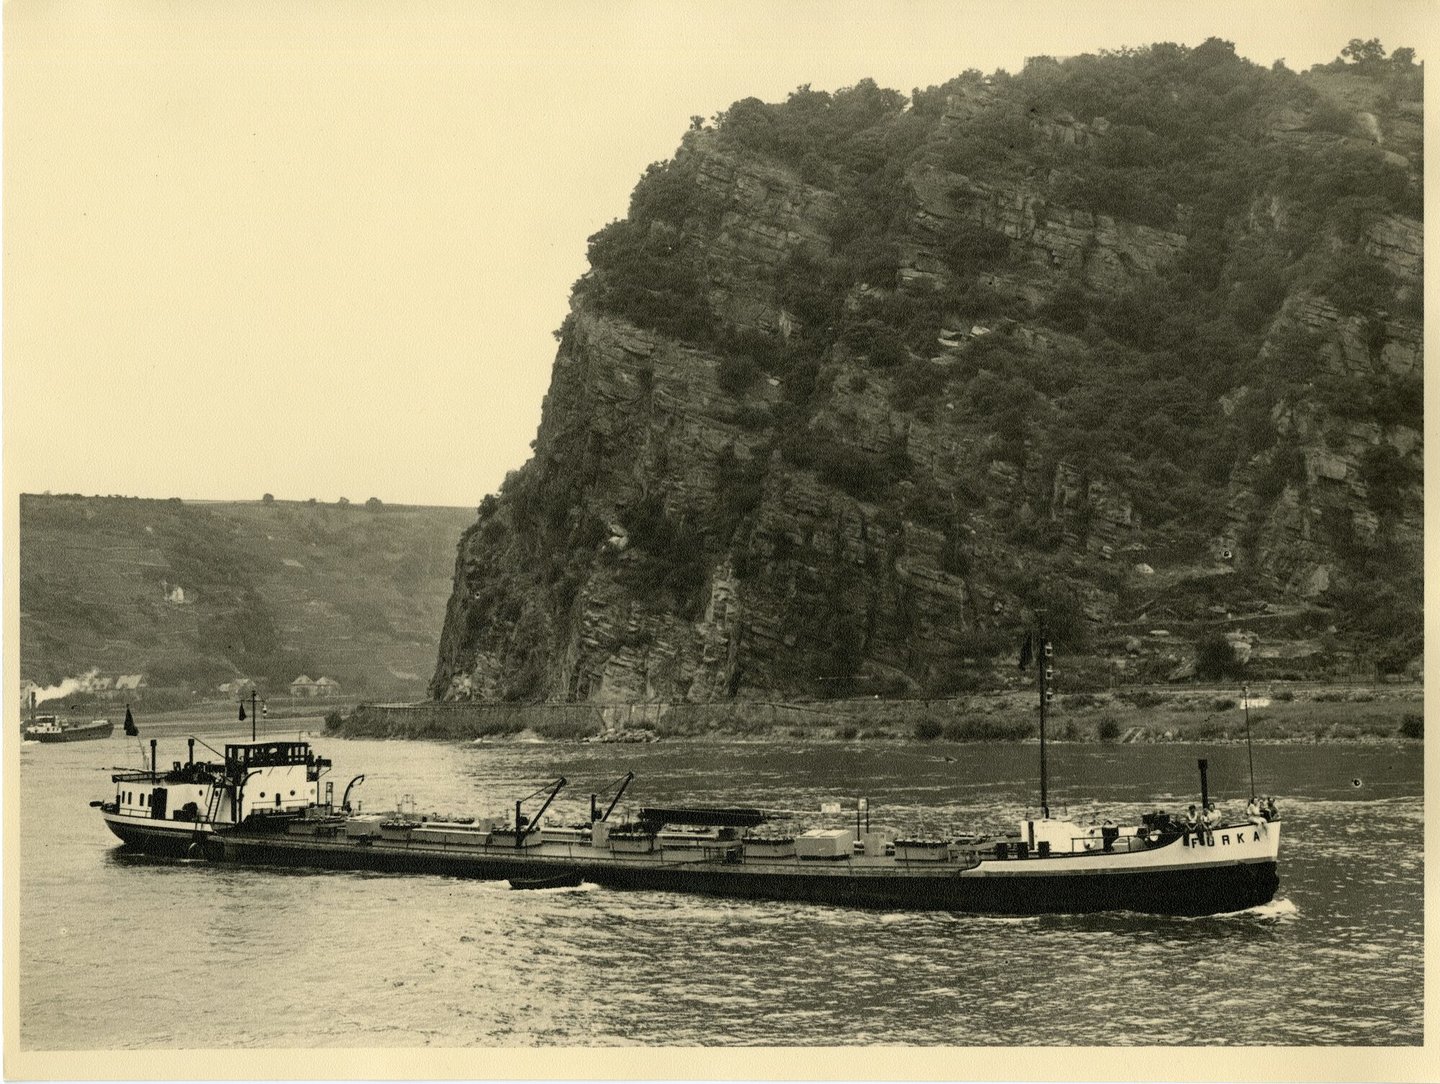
x=266 y=591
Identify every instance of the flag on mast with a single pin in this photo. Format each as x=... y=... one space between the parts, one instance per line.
x=242 y=711
x=130 y=727
x=1027 y=652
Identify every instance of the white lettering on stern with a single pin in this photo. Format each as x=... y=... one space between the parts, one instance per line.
x=1208 y=839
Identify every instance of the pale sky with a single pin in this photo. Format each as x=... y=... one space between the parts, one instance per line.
x=318 y=249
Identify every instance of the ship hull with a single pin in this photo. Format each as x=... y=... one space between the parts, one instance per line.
x=79 y=733
x=1178 y=879
x=164 y=839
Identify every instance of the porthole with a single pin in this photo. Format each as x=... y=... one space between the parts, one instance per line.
x=262 y=794
x=292 y=794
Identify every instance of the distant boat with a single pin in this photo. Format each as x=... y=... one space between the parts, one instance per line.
x=47 y=728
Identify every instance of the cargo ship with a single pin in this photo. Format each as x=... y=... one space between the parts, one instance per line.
x=48 y=728
x=270 y=803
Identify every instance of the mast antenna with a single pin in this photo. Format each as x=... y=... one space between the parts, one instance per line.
x=1042 y=665
x=1245 y=699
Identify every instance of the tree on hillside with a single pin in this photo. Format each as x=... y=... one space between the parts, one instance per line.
x=269 y=498
x=343 y=502
x=1215 y=658
x=373 y=504
x=1364 y=52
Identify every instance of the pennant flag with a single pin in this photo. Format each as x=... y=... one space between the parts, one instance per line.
x=242 y=712
x=264 y=708
x=130 y=727
x=1027 y=652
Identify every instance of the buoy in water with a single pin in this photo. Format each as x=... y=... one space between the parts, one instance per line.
x=1356 y=783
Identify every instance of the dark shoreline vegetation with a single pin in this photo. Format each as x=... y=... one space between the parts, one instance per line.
x=1312 y=714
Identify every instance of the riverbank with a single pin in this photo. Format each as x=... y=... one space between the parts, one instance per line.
x=1311 y=713
x=209 y=720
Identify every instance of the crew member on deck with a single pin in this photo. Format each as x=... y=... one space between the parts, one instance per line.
x=1211 y=820
x=1252 y=808
x=1109 y=833
x=1271 y=813
x=1192 y=822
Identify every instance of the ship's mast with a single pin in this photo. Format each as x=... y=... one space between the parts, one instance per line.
x=1245 y=699
x=1042 y=656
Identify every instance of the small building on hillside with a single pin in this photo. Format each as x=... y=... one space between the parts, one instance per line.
x=321 y=686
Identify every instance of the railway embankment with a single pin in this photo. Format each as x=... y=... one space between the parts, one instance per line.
x=1293 y=712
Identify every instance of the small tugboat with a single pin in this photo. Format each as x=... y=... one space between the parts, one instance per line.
x=268 y=803
x=48 y=728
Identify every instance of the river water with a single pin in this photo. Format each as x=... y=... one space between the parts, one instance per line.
x=126 y=952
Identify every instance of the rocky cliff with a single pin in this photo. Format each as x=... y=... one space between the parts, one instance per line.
x=861 y=381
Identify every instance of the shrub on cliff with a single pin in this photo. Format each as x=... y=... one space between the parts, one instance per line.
x=861 y=474
x=1215 y=658
x=737 y=374
x=650 y=278
x=667 y=561
x=880 y=344
x=739 y=487
x=1387 y=476
x=917 y=385
x=967 y=247
x=810 y=125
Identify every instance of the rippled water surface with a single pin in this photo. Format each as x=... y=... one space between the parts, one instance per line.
x=118 y=951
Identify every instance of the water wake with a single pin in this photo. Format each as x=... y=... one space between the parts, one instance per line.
x=1274 y=911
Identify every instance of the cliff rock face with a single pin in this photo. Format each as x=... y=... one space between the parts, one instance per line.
x=825 y=421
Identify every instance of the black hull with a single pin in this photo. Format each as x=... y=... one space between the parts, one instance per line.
x=138 y=835
x=1189 y=890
